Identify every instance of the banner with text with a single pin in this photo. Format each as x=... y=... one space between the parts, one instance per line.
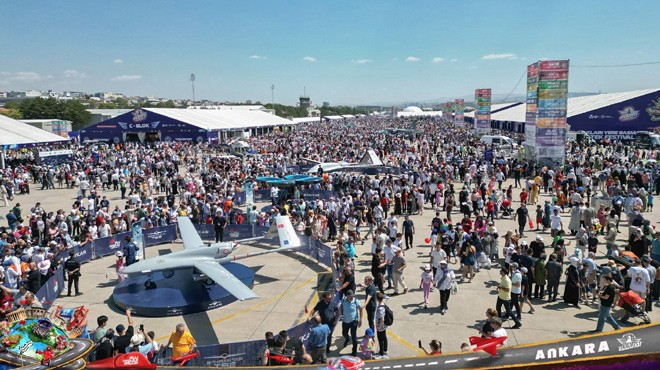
x=532 y=100
x=459 y=117
x=107 y=246
x=482 y=98
x=159 y=235
x=552 y=98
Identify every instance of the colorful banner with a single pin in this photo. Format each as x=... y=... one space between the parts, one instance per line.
x=532 y=100
x=551 y=111
x=137 y=239
x=482 y=99
x=448 y=112
x=459 y=117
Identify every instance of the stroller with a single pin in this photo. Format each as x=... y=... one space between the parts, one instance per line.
x=632 y=303
x=507 y=211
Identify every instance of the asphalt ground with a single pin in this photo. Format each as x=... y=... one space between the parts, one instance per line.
x=287 y=282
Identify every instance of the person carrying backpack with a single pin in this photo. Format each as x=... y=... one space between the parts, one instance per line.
x=381 y=327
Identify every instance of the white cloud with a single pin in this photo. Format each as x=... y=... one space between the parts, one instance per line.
x=309 y=59
x=117 y=61
x=412 y=59
x=28 y=77
x=509 y=56
x=126 y=78
x=72 y=74
x=362 y=61
x=257 y=57
x=453 y=60
x=437 y=60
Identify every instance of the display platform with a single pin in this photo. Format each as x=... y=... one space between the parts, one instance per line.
x=179 y=292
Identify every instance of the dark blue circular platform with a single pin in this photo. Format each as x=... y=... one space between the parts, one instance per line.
x=180 y=294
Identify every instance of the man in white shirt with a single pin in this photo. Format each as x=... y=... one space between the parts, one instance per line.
x=555 y=223
x=640 y=281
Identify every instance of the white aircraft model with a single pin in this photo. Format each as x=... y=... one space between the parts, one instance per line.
x=369 y=160
x=209 y=259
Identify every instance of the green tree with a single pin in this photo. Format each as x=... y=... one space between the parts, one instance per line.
x=70 y=110
x=11 y=113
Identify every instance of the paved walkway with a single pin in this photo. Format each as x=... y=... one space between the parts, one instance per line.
x=286 y=284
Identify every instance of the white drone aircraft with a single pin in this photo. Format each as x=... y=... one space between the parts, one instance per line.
x=209 y=259
x=369 y=160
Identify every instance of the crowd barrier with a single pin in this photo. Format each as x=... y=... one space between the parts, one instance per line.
x=247 y=353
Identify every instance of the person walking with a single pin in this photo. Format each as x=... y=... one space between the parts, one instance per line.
x=398 y=265
x=130 y=251
x=606 y=295
x=72 y=267
x=522 y=215
x=381 y=328
x=408 y=231
x=504 y=298
x=443 y=280
x=425 y=283
x=553 y=271
x=352 y=312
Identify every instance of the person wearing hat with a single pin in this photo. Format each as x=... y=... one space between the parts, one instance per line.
x=398 y=266
x=572 y=287
x=368 y=345
x=141 y=342
x=425 y=283
x=352 y=319
x=124 y=334
x=443 y=280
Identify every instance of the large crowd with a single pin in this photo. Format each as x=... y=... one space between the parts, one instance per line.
x=437 y=171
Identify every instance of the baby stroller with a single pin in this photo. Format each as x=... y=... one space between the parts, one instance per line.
x=507 y=211
x=632 y=303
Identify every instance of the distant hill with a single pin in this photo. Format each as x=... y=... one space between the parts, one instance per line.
x=469 y=99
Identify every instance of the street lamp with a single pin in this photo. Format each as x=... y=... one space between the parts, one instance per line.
x=192 y=81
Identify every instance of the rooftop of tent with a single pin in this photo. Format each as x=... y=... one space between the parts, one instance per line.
x=16 y=134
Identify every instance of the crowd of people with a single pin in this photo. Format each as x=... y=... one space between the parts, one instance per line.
x=438 y=172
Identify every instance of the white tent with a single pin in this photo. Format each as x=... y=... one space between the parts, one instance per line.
x=222 y=119
x=14 y=133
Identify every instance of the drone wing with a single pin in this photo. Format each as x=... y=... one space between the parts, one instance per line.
x=189 y=235
x=225 y=279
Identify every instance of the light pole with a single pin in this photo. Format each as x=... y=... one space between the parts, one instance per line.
x=192 y=81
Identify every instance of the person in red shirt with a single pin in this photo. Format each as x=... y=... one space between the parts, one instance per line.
x=490 y=209
x=523 y=196
x=466 y=224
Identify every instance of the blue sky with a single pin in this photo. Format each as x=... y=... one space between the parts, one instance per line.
x=343 y=52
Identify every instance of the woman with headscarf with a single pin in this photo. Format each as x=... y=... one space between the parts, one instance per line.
x=572 y=288
x=574 y=223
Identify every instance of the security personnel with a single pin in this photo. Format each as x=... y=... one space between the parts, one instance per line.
x=72 y=268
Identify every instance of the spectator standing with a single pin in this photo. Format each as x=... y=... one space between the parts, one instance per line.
x=124 y=335
x=327 y=311
x=182 y=341
x=352 y=313
x=398 y=266
x=381 y=328
x=72 y=267
x=504 y=298
x=318 y=341
x=408 y=231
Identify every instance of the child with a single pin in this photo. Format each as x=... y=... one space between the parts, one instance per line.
x=649 y=203
x=426 y=282
x=367 y=345
x=120 y=265
x=539 y=216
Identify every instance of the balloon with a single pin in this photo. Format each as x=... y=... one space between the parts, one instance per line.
x=427 y=240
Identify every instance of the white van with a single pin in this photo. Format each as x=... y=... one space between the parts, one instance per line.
x=500 y=142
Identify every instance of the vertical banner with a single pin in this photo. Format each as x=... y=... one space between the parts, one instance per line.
x=482 y=98
x=249 y=195
x=530 y=116
x=551 y=111
x=138 y=240
x=448 y=111
x=458 y=114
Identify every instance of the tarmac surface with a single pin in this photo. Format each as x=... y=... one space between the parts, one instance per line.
x=286 y=283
